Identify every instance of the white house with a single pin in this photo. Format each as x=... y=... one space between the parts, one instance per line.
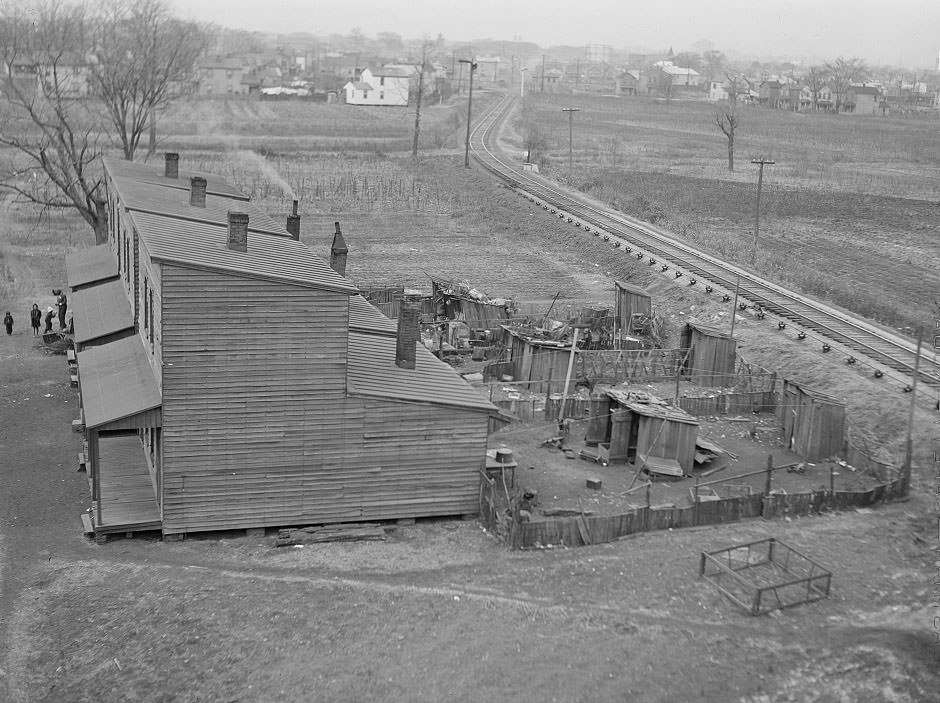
x=383 y=86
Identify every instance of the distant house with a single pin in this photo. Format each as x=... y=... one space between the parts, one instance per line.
x=679 y=76
x=389 y=85
x=221 y=77
x=629 y=83
x=718 y=91
x=769 y=93
x=863 y=99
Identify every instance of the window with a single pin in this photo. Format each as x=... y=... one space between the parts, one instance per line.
x=146 y=307
x=381 y=95
x=150 y=320
x=365 y=94
x=382 y=80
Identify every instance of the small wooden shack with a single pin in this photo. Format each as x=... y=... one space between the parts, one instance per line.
x=458 y=301
x=712 y=355
x=634 y=309
x=646 y=430
x=813 y=422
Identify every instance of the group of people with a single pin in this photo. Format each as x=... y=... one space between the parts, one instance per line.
x=36 y=316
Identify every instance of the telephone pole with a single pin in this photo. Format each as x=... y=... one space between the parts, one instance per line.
x=570 y=111
x=761 y=161
x=473 y=67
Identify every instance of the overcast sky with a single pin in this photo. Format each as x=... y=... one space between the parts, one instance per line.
x=898 y=32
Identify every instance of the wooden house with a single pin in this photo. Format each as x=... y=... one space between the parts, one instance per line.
x=257 y=387
x=634 y=307
x=813 y=423
x=712 y=355
x=644 y=430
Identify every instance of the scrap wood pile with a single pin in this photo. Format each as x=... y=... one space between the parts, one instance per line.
x=57 y=342
x=330 y=533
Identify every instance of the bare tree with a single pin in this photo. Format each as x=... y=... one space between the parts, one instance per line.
x=425 y=47
x=816 y=79
x=535 y=143
x=139 y=53
x=727 y=118
x=842 y=74
x=46 y=117
x=72 y=78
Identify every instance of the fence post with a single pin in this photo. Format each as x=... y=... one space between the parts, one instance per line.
x=767 y=484
x=695 y=504
x=646 y=515
x=832 y=486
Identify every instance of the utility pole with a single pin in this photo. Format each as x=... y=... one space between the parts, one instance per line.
x=570 y=111
x=761 y=161
x=542 y=90
x=466 y=154
x=522 y=82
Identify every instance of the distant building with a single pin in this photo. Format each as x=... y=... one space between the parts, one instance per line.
x=863 y=99
x=679 y=76
x=598 y=53
x=389 y=85
x=217 y=76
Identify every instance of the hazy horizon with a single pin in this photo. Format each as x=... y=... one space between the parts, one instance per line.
x=902 y=33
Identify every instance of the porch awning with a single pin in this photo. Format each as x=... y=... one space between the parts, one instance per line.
x=117 y=382
x=87 y=266
x=101 y=310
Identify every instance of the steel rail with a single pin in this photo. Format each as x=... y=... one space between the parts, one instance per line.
x=626 y=233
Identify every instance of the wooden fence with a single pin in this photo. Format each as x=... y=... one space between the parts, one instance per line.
x=582 y=530
x=730 y=403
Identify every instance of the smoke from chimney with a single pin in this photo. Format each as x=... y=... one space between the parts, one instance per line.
x=293 y=223
x=238 y=231
x=408 y=334
x=171 y=168
x=338 y=252
x=197 y=192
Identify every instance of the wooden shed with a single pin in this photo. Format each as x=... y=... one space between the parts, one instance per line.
x=653 y=433
x=634 y=306
x=542 y=362
x=712 y=355
x=813 y=422
x=458 y=301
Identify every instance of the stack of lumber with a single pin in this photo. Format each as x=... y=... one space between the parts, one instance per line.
x=330 y=533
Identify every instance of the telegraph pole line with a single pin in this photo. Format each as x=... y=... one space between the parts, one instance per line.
x=570 y=111
x=761 y=161
x=473 y=67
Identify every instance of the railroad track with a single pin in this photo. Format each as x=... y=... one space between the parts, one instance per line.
x=658 y=249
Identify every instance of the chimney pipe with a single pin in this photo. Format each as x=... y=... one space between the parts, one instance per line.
x=408 y=334
x=171 y=165
x=197 y=193
x=238 y=231
x=293 y=224
x=338 y=252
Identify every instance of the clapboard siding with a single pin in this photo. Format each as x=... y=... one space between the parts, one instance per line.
x=253 y=380
x=373 y=460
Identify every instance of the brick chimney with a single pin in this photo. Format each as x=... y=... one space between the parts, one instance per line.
x=293 y=223
x=338 y=252
x=171 y=165
x=237 y=231
x=409 y=334
x=197 y=192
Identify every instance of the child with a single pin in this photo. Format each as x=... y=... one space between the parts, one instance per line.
x=35 y=319
x=50 y=314
x=8 y=322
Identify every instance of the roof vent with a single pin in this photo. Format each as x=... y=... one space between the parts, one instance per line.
x=238 y=231
x=171 y=165
x=197 y=192
x=338 y=252
x=293 y=223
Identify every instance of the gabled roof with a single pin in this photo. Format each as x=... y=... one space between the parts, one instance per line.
x=371 y=371
x=204 y=245
x=143 y=197
x=679 y=71
x=358 y=85
x=116 y=381
x=90 y=265
x=366 y=318
x=390 y=72
x=154 y=175
x=102 y=310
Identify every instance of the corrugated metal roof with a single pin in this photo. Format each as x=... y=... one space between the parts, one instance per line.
x=143 y=197
x=205 y=246
x=90 y=265
x=101 y=310
x=371 y=370
x=116 y=381
x=364 y=317
x=153 y=174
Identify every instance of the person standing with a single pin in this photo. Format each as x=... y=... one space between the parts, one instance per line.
x=50 y=315
x=8 y=322
x=35 y=319
x=61 y=302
